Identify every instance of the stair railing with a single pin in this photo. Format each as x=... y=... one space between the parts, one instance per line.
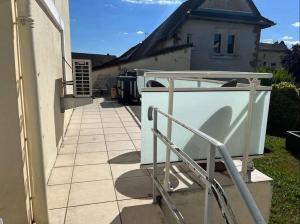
x=213 y=188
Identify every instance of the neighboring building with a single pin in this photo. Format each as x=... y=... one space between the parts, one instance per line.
x=199 y=35
x=271 y=55
x=34 y=51
x=96 y=59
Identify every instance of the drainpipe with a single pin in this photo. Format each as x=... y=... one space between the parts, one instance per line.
x=33 y=117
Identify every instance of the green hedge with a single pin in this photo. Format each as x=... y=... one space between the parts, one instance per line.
x=284 y=108
x=278 y=76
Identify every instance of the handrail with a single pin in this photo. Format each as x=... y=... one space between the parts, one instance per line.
x=207 y=74
x=212 y=186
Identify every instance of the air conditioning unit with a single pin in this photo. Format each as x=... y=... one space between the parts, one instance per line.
x=82 y=70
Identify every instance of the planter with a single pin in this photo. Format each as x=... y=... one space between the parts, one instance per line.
x=293 y=141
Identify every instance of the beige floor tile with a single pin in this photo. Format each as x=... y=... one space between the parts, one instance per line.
x=113 y=125
x=108 y=114
x=134 y=187
x=74 y=126
x=72 y=132
x=120 y=145
x=133 y=129
x=114 y=131
x=135 y=136
x=123 y=157
x=91 y=121
x=91 y=117
x=91 y=173
x=137 y=144
x=110 y=120
x=130 y=124
x=128 y=119
x=65 y=160
x=70 y=140
x=117 y=137
x=91 y=192
x=75 y=120
x=60 y=175
x=91 y=147
x=91 y=126
x=104 y=213
x=68 y=149
x=138 y=211
x=93 y=131
x=87 y=113
x=57 y=216
x=91 y=158
x=128 y=170
x=90 y=139
x=57 y=196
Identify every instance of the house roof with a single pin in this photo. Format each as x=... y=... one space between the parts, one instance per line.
x=97 y=59
x=273 y=47
x=187 y=10
x=127 y=58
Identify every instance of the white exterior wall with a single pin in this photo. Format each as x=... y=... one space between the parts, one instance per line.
x=49 y=68
x=13 y=192
x=14 y=178
x=178 y=60
x=203 y=57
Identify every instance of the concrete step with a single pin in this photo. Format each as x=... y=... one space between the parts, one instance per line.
x=191 y=201
x=139 y=211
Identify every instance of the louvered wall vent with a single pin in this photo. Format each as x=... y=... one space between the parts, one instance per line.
x=82 y=78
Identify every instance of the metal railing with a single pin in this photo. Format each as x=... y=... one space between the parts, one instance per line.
x=213 y=188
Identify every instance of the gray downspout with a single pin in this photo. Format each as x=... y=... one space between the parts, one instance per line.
x=33 y=117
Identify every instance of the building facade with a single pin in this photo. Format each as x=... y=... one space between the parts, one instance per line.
x=271 y=55
x=221 y=35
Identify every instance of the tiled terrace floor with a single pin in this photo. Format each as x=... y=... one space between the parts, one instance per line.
x=97 y=177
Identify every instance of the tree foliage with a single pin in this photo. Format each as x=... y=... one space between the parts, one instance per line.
x=291 y=61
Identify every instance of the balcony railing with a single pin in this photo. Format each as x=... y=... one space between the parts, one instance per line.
x=213 y=188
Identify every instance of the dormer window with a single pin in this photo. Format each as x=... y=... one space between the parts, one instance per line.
x=217 y=43
x=189 y=38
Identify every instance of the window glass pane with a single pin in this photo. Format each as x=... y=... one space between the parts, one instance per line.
x=217 y=43
x=230 y=46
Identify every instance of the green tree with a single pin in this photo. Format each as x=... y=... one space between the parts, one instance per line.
x=291 y=61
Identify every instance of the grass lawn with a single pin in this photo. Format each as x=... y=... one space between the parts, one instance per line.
x=284 y=168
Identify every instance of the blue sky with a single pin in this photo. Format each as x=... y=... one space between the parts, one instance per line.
x=113 y=26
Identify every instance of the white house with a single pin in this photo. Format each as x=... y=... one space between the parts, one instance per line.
x=199 y=35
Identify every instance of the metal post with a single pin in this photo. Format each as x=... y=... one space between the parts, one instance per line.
x=253 y=83
x=169 y=134
x=209 y=197
x=154 y=156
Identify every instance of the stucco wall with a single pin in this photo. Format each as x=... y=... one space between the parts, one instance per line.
x=178 y=60
x=50 y=74
x=203 y=58
x=13 y=177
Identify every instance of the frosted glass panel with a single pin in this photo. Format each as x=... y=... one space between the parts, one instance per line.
x=220 y=114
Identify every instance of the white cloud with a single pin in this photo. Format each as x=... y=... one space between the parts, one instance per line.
x=291 y=43
x=157 y=2
x=287 y=38
x=296 y=24
x=140 y=32
x=125 y=33
x=267 y=41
